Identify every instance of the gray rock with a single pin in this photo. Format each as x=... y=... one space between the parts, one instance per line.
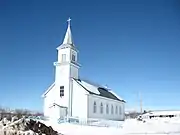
x=14 y=118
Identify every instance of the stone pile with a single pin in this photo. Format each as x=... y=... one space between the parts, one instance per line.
x=41 y=128
x=25 y=127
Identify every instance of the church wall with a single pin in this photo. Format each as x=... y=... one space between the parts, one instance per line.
x=104 y=114
x=63 y=73
x=62 y=101
x=74 y=72
x=123 y=111
x=79 y=103
x=54 y=112
x=48 y=101
x=53 y=96
x=62 y=79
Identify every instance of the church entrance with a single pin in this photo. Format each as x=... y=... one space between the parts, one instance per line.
x=63 y=112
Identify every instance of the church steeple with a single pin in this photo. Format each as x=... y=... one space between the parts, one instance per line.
x=67 y=53
x=68 y=36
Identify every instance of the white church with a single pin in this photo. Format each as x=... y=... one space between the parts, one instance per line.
x=69 y=96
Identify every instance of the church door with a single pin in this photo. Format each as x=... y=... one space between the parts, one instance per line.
x=63 y=112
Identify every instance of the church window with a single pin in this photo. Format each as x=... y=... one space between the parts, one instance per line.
x=94 y=107
x=101 y=108
x=107 y=109
x=63 y=57
x=61 y=91
x=112 y=109
x=116 y=110
x=120 y=110
x=73 y=57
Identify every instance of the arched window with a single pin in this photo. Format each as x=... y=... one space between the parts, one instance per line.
x=94 y=107
x=101 y=108
x=116 y=110
x=112 y=109
x=120 y=110
x=107 y=109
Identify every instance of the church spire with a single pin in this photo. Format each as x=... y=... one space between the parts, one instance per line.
x=68 y=35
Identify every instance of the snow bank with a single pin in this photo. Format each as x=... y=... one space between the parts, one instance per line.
x=151 y=127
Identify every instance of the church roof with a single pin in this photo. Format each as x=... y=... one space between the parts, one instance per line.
x=95 y=89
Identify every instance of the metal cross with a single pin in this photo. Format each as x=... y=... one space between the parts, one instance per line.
x=69 y=20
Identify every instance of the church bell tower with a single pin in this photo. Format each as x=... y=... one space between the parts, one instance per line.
x=66 y=68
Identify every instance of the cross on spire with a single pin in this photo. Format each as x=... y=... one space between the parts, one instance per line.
x=69 y=21
x=68 y=35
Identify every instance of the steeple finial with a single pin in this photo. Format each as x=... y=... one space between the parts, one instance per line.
x=68 y=35
x=69 y=21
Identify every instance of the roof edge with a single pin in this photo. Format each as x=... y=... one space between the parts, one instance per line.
x=76 y=80
x=119 y=99
x=117 y=96
x=49 y=88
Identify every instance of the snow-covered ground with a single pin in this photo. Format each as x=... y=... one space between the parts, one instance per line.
x=151 y=127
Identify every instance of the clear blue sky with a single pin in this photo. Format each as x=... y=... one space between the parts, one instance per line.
x=129 y=45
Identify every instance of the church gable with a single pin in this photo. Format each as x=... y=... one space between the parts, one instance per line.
x=97 y=90
x=48 y=90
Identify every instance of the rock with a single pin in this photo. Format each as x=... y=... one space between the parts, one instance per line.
x=21 y=126
x=5 y=121
x=41 y=128
x=14 y=118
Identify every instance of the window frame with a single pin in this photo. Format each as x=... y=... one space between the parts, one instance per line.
x=112 y=109
x=101 y=108
x=73 y=57
x=116 y=109
x=94 y=107
x=120 y=110
x=107 y=109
